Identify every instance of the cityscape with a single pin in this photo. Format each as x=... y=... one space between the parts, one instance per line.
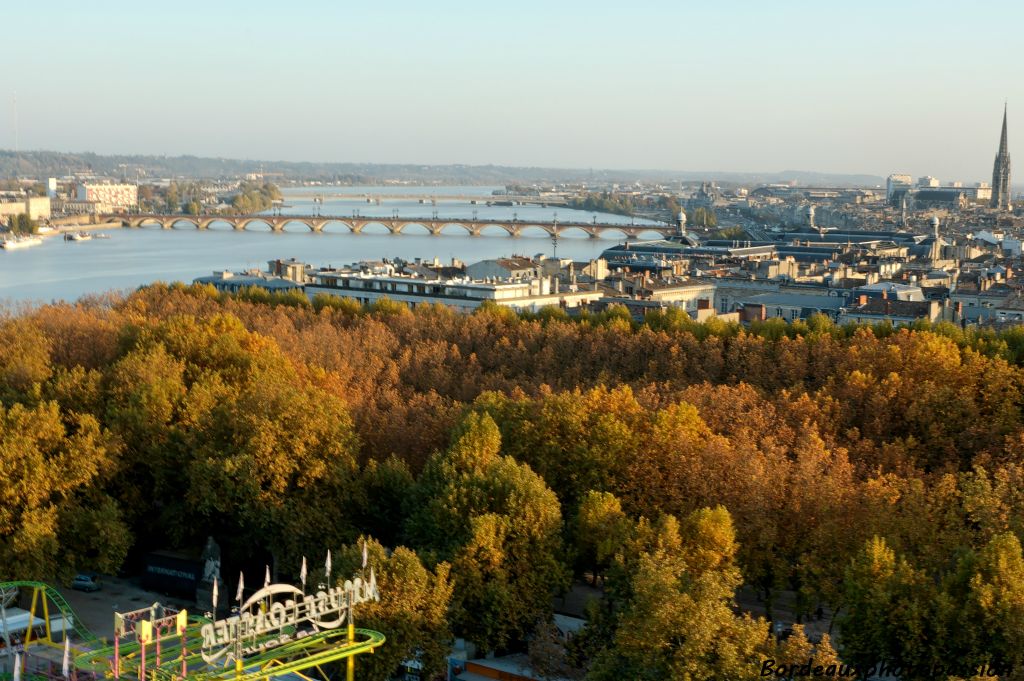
x=447 y=360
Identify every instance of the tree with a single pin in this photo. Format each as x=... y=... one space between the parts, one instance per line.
x=997 y=599
x=705 y=217
x=677 y=621
x=22 y=223
x=54 y=518
x=601 y=530
x=172 y=199
x=500 y=525
x=412 y=612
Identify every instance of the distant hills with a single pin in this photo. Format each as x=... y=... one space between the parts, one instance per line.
x=58 y=164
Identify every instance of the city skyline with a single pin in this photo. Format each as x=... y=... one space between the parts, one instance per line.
x=737 y=88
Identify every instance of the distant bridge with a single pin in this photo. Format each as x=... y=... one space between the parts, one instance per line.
x=316 y=223
x=476 y=199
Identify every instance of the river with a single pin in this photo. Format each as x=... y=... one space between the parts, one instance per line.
x=60 y=270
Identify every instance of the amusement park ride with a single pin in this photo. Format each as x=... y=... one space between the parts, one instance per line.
x=279 y=632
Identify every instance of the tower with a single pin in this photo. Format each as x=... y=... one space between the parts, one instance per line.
x=1001 y=173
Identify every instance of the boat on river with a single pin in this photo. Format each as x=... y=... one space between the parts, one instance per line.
x=12 y=242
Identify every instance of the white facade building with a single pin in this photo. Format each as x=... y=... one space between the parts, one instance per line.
x=117 y=196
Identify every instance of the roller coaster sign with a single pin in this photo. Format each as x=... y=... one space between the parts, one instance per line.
x=280 y=613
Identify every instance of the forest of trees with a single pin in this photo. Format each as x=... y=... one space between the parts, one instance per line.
x=490 y=460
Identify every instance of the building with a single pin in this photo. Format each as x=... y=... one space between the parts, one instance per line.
x=867 y=310
x=502 y=269
x=897 y=182
x=1001 y=173
x=233 y=282
x=36 y=207
x=790 y=306
x=117 y=196
x=928 y=182
x=950 y=198
x=464 y=295
x=76 y=207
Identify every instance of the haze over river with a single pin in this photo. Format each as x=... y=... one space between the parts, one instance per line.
x=133 y=257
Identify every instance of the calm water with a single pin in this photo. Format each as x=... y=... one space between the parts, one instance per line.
x=132 y=257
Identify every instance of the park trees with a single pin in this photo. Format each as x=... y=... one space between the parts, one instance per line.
x=500 y=525
x=412 y=612
x=54 y=514
x=676 y=619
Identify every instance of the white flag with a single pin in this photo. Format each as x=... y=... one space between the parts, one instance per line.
x=266 y=580
x=364 y=554
x=17 y=667
x=302 y=573
x=66 y=669
x=214 y=595
x=327 y=567
x=241 y=585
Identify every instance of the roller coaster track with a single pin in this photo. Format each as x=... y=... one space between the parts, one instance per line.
x=95 y=656
x=82 y=633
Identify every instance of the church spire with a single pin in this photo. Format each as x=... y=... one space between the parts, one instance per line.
x=1001 y=172
x=1003 y=147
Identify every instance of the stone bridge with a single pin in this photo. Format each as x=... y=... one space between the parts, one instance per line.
x=316 y=223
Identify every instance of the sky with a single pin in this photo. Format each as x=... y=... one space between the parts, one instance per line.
x=868 y=87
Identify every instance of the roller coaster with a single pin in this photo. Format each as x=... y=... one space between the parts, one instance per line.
x=278 y=633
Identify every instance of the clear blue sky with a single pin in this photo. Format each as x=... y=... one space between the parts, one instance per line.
x=868 y=87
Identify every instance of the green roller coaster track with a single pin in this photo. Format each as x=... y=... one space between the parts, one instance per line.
x=81 y=632
x=296 y=654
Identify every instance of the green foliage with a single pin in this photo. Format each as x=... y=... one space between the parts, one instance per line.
x=254 y=198
x=53 y=516
x=412 y=612
x=677 y=620
x=706 y=217
x=500 y=525
x=604 y=202
x=23 y=224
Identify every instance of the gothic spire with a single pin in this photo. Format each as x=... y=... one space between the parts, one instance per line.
x=1003 y=148
x=1001 y=172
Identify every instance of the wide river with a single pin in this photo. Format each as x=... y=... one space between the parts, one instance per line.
x=131 y=257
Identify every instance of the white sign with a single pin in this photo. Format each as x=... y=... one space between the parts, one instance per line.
x=261 y=615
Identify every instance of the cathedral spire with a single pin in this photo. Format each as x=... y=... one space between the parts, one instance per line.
x=1003 y=148
x=1001 y=172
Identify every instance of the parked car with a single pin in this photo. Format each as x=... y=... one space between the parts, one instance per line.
x=86 y=581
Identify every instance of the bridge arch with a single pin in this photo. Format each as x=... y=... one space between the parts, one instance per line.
x=649 y=233
x=283 y=225
x=444 y=225
x=372 y=226
x=573 y=232
x=245 y=224
x=173 y=223
x=509 y=228
x=326 y=226
x=418 y=228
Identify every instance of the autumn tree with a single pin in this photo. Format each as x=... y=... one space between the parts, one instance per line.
x=500 y=525
x=677 y=621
